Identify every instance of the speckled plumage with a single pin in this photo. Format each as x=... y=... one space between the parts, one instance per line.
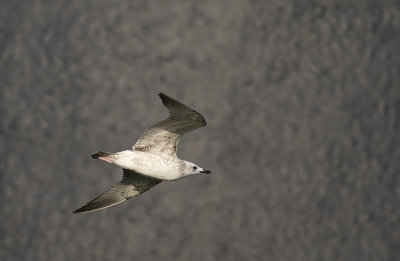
x=163 y=137
x=153 y=157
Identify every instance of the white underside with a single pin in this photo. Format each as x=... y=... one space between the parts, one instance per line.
x=149 y=164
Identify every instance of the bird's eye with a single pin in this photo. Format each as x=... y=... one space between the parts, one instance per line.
x=194 y=168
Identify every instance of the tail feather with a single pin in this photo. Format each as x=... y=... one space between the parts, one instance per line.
x=99 y=154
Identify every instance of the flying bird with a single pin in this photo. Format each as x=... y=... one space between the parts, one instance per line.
x=152 y=159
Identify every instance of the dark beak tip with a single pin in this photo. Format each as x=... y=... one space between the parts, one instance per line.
x=206 y=171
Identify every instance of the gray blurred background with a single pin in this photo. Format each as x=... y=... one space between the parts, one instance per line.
x=302 y=102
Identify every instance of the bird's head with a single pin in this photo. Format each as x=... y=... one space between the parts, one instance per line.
x=191 y=169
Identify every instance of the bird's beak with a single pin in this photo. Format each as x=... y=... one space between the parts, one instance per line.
x=206 y=171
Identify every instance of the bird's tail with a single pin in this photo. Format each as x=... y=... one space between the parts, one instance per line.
x=106 y=156
x=100 y=154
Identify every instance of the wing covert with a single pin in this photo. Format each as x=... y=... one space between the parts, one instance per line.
x=164 y=136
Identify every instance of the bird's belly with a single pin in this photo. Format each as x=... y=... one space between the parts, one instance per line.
x=153 y=166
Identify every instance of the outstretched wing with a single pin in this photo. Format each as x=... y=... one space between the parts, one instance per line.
x=163 y=137
x=132 y=184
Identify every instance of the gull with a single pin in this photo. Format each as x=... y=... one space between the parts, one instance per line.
x=152 y=159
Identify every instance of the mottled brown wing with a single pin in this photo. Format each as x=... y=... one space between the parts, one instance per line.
x=132 y=184
x=164 y=136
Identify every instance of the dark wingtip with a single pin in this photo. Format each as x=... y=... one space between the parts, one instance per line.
x=82 y=209
x=98 y=154
x=77 y=211
x=163 y=97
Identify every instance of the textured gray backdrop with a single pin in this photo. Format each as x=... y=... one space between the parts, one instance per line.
x=303 y=108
